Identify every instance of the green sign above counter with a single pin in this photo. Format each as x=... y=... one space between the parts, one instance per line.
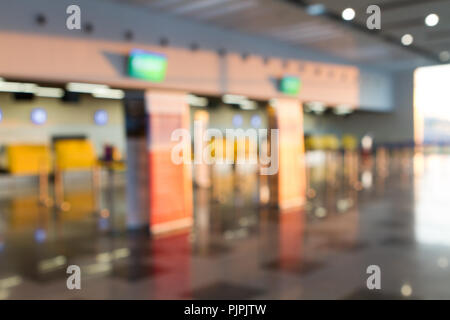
x=147 y=65
x=290 y=85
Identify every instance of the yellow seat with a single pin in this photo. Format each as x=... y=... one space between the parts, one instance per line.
x=330 y=142
x=314 y=143
x=26 y=159
x=74 y=155
x=325 y=142
x=349 y=142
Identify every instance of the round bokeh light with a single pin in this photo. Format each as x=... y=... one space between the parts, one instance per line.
x=237 y=120
x=38 y=116
x=101 y=117
x=255 y=121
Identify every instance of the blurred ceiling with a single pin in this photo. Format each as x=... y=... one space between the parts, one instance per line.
x=288 y=21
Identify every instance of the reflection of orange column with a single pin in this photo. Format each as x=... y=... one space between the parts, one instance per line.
x=292 y=228
x=288 y=118
x=170 y=183
x=178 y=282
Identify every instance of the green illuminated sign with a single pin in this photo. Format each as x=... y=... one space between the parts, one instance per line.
x=290 y=85
x=147 y=66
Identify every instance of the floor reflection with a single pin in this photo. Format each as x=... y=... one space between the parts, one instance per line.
x=389 y=209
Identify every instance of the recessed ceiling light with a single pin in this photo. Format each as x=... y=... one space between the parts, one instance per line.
x=444 y=56
x=406 y=290
x=407 y=39
x=348 y=14
x=432 y=19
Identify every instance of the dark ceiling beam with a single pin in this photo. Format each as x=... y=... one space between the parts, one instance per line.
x=438 y=35
x=410 y=23
x=401 y=4
x=379 y=34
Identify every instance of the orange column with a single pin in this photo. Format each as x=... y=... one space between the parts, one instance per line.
x=287 y=116
x=170 y=184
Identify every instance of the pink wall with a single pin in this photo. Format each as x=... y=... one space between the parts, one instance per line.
x=35 y=57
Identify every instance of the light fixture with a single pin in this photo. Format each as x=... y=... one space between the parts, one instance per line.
x=97 y=90
x=6 y=86
x=348 y=14
x=196 y=101
x=108 y=93
x=101 y=117
x=38 y=116
x=407 y=39
x=17 y=87
x=233 y=98
x=431 y=20
x=49 y=92
x=342 y=110
x=444 y=56
x=243 y=102
x=84 y=87
x=315 y=106
x=315 y=9
x=248 y=105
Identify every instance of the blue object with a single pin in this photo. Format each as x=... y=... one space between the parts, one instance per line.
x=38 y=116
x=237 y=120
x=101 y=117
x=255 y=121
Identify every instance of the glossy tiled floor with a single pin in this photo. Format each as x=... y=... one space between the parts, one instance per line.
x=391 y=212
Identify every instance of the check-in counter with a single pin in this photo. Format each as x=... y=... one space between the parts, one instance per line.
x=26 y=159
x=31 y=160
x=75 y=155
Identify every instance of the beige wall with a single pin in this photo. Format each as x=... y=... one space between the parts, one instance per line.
x=62 y=119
